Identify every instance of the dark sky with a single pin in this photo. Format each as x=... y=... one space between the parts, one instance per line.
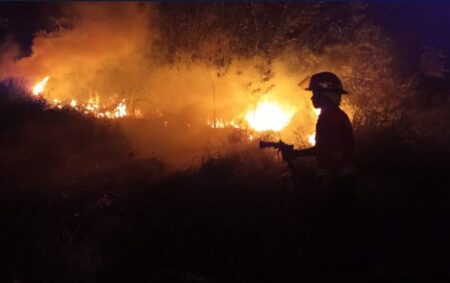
x=22 y=19
x=416 y=22
x=414 y=25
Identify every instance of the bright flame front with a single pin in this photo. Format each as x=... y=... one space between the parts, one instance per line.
x=91 y=107
x=269 y=116
x=39 y=87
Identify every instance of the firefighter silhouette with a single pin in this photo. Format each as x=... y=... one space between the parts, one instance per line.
x=333 y=151
x=334 y=134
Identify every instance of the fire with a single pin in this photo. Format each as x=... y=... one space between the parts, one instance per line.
x=221 y=123
x=312 y=137
x=40 y=86
x=121 y=110
x=91 y=107
x=269 y=116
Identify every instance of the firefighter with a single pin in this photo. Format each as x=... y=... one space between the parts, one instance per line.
x=334 y=134
x=333 y=151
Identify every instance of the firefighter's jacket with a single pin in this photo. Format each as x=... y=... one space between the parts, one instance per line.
x=334 y=136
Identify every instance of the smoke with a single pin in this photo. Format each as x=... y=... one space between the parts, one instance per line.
x=103 y=39
x=110 y=51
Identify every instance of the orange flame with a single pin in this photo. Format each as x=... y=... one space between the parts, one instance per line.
x=121 y=110
x=92 y=107
x=269 y=116
x=40 y=86
x=312 y=137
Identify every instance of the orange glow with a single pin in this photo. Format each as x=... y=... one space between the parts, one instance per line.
x=269 y=116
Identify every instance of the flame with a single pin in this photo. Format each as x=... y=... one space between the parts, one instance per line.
x=121 y=110
x=91 y=107
x=269 y=116
x=40 y=86
x=221 y=123
x=312 y=137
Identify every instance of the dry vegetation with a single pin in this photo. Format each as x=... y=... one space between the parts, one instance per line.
x=232 y=217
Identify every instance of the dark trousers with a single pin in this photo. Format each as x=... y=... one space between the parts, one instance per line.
x=341 y=205
x=336 y=229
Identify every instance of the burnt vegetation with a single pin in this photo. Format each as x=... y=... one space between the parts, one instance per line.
x=77 y=205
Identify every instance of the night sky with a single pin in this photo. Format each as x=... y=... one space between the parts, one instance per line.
x=412 y=26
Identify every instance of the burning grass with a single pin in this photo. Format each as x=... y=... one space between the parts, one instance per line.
x=91 y=107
